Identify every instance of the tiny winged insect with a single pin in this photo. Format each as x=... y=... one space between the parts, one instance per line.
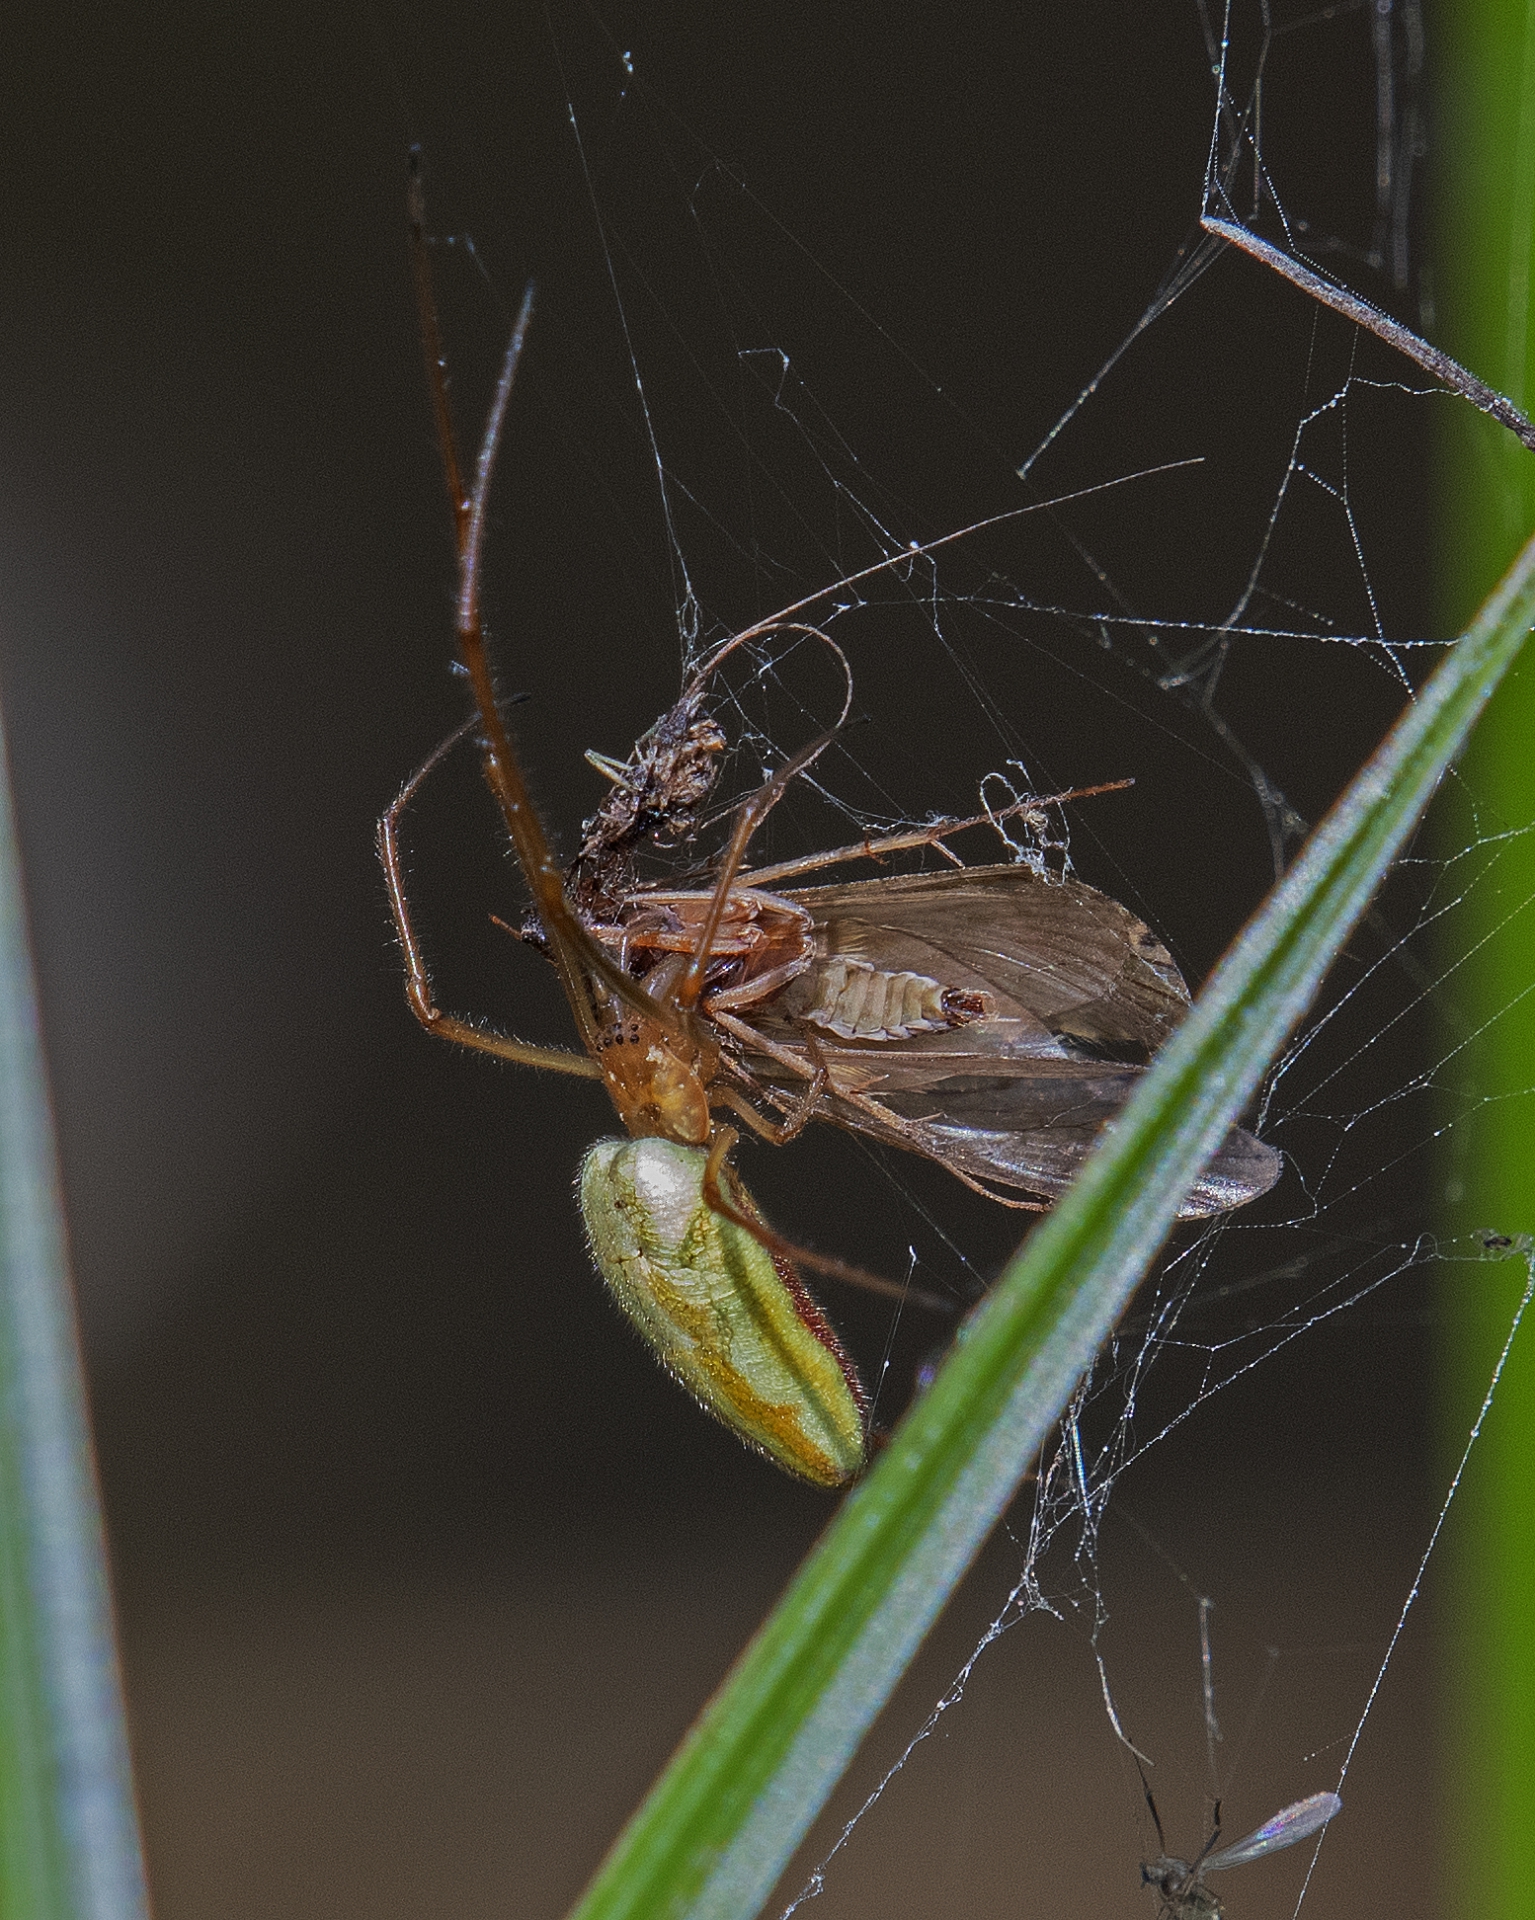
x=1180 y=1884
x=991 y=1019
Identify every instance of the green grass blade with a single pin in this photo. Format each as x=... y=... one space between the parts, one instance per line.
x=725 y=1817
x=1484 y=155
x=68 y=1835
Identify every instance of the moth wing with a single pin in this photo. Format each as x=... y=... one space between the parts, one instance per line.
x=1056 y=957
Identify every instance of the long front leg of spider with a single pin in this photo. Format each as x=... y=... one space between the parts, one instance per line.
x=418 y=982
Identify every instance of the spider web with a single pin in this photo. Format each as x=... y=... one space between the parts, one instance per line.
x=1117 y=599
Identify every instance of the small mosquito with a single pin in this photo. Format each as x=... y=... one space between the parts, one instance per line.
x=1180 y=1884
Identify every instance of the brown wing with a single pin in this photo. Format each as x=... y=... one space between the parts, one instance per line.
x=1031 y=1129
x=1056 y=957
x=1079 y=995
x=1026 y=1124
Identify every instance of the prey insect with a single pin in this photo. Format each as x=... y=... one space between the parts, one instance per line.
x=991 y=1019
x=1180 y=1884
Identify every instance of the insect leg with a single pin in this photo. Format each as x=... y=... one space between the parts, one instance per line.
x=693 y=692
x=759 y=1043
x=932 y=835
x=749 y=816
x=1156 y=1818
x=778 y=1132
x=888 y=1123
x=796 y=1117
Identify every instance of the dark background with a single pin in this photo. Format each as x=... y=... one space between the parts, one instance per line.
x=422 y=1566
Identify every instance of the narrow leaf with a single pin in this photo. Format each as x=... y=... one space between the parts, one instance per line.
x=69 y=1845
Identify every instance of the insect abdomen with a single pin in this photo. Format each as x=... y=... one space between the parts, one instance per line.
x=720 y=1313
x=859 y=1002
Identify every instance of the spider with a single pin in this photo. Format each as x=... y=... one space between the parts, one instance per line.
x=989 y=1018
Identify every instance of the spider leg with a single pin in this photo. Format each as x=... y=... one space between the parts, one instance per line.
x=418 y=981
x=573 y=953
x=773 y=1243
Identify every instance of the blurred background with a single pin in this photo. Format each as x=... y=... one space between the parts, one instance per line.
x=422 y=1568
